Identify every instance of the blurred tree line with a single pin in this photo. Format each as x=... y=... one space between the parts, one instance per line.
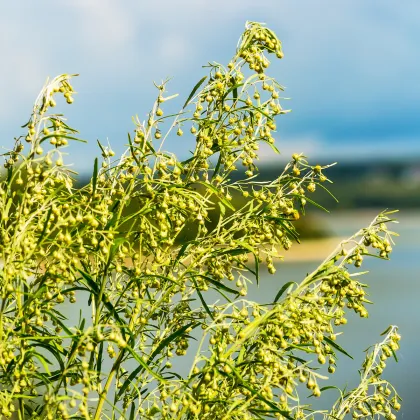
x=356 y=185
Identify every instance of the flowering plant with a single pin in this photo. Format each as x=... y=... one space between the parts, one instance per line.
x=114 y=246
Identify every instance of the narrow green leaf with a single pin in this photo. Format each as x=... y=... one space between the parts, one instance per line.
x=312 y=202
x=52 y=350
x=202 y=299
x=128 y=381
x=325 y=388
x=232 y=252
x=145 y=365
x=235 y=93
x=222 y=209
x=182 y=251
x=277 y=151
x=94 y=176
x=394 y=354
x=370 y=409
x=256 y=393
x=336 y=346
x=162 y=345
x=216 y=169
x=283 y=289
x=115 y=246
x=196 y=87
x=257 y=264
x=218 y=284
x=328 y=191
x=289 y=230
x=43 y=361
x=170 y=339
x=216 y=192
x=91 y=284
x=63 y=136
x=62 y=324
x=9 y=175
x=100 y=359
x=232 y=89
x=132 y=411
x=44 y=229
x=387 y=330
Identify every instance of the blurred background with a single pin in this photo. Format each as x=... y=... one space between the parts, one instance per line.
x=351 y=69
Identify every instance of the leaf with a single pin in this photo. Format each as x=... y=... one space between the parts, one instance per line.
x=144 y=365
x=114 y=247
x=328 y=191
x=256 y=393
x=300 y=360
x=312 y=202
x=233 y=252
x=43 y=361
x=332 y=417
x=9 y=176
x=63 y=136
x=95 y=176
x=133 y=152
x=221 y=293
x=202 y=299
x=163 y=344
x=99 y=357
x=132 y=411
x=233 y=89
x=94 y=289
x=394 y=354
x=62 y=325
x=171 y=338
x=235 y=93
x=53 y=350
x=387 y=330
x=370 y=408
x=101 y=147
x=337 y=347
x=375 y=256
x=216 y=192
x=283 y=289
x=257 y=264
x=325 y=388
x=182 y=251
x=257 y=269
x=218 y=284
x=277 y=151
x=216 y=169
x=222 y=209
x=168 y=98
x=45 y=226
x=196 y=87
x=291 y=232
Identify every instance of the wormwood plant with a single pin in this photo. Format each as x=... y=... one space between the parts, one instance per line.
x=145 y=298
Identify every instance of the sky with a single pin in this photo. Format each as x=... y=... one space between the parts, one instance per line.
x=351 y=68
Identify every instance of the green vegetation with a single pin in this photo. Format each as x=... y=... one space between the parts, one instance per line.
x=147 y=296
x=371 y=184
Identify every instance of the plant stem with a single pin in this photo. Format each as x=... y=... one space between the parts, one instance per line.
x=107 y=385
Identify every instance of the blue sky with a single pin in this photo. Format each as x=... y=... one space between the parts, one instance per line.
x=351 y=68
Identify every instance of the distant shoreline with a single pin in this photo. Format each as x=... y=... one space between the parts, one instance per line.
x=311 y=250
